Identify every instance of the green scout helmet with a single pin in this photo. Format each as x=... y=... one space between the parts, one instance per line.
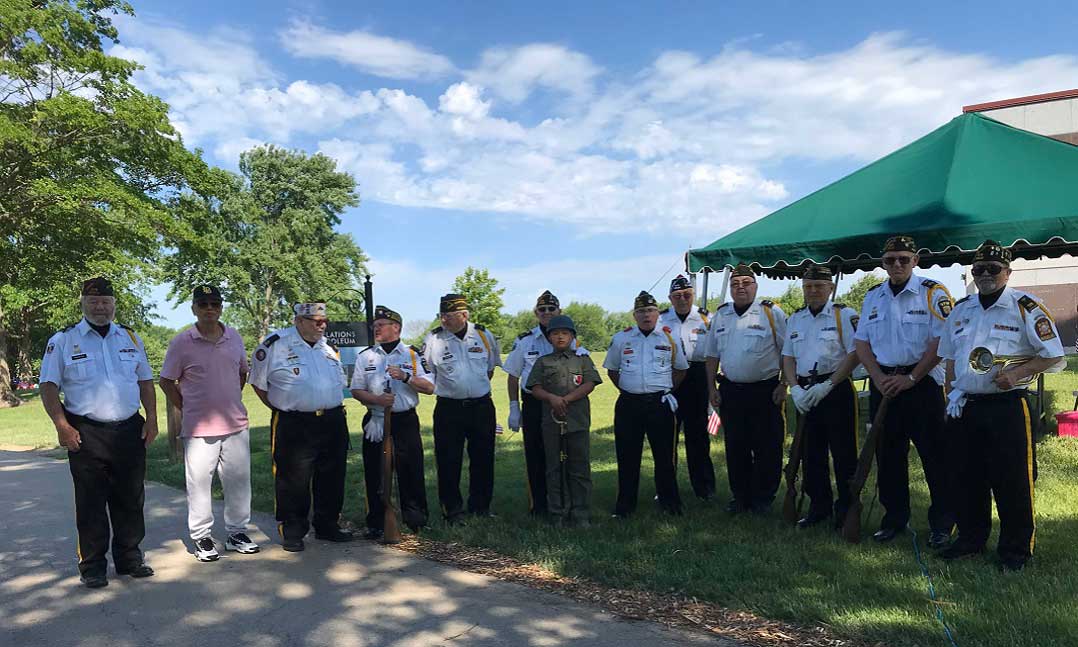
x=561 y=322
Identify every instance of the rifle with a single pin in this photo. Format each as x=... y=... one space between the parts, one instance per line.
x=391 y=533
x=791 y=506
x=851 y=529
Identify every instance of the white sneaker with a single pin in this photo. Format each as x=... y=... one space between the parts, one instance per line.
x=241 y=543
x=205 y=551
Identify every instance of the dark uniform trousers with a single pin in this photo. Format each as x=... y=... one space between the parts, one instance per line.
x=916 y=415
x=996 y=458
x=407 y=462
x=754 y=428
x=108 y=472
x=531 y=422
x=831 y=426
x=637 y=416
x=691 y=418
x=310 y=453
x=456 y=422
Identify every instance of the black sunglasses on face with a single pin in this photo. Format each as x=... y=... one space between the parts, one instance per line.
x=546 y=308
x=900 y=260
x=981 y=270
x=208 y=304
x=317 y=322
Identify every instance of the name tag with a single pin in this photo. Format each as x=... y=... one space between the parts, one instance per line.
x=475 y=349
x=666 y=348
x=78 y=357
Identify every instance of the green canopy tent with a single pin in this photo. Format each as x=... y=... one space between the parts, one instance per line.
x=971 y=179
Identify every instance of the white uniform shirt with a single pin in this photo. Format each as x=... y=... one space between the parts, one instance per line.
x=645 y=363
x=528 y=347
x=1016 y=324
x=817 y=340
x=692 y=333
x=296 y=375
x=461 y=367
x=371 y=374
x=749 y=346
x=900 y=327
x=98 y=375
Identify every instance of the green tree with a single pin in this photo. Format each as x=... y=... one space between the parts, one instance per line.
x=590 y=321
x=855 y=295
x=484 y=298
x=87 y=165
x=268 y=238
x=513 y=325
x=614 y=322
x=790 y=300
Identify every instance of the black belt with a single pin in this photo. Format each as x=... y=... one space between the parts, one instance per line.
x=117 y=424
x=644 y=397
x=1003 y=395
x=805 y=381
x=316 y=414
x=897 y=370
x=770 y=382
x=465 y=402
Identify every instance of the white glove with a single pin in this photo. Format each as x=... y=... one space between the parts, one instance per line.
x=581 y=351
x=671 y=401
x=800 y=397
x=514 y=415
x=819 y=392
x=375 y=427
x=956 y=399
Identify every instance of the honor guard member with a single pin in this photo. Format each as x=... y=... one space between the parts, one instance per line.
x=746 y=341
x=646 y=363
x=689 y=325
x=818 y=356
x=462 y=357
x=203 y=374
x=298 y=375
x=392 y=374
x=530 y=346
x=989 y=409
x=897 y=342
x=102 y=370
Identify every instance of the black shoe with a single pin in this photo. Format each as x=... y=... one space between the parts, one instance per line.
x=812 y=518
x=373 y=534
x=94 y=581
x=1011 y=565
x=456 y=520
x=958 y=550
x=293 y=545
x=137 y=571
x=621 y=516
x=706 y=496
x=938 y=539
x=337 y=535
x=734 y=507
x=484 y=514
x=884 y=535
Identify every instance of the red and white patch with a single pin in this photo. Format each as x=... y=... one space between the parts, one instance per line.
x=578 y=380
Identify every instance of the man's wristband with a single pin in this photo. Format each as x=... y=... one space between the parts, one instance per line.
x=407 y=377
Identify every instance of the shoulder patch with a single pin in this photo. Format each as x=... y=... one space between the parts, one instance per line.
x=962 y=300
x=666 y=329
x=626 y=329
x=1028 y=303
x=418 y=350
x=479 y=327
x=270 y=340
x=928 y=283
x=703 y=311
x=664 y=311
x=437 y=330
x=840 y=306
x=524 y=334
x=767 y=304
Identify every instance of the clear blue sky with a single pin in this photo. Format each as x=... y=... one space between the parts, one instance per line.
x=581 y=147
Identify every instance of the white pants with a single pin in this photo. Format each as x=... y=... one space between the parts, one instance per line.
x=230 y=457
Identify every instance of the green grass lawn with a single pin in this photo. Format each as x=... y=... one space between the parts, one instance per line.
x=870 y=592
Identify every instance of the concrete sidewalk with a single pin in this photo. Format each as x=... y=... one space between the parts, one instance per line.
x=331 y=594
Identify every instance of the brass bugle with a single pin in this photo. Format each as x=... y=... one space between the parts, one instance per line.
x=982 y=360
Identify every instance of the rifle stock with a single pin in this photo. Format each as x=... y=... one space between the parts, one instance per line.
x=790 y=511
x=851 y=528
x=391 y=533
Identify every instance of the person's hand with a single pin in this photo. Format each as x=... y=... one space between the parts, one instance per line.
x=384 y=399
x=374 y=430
x=778 y=396
x=558 y=406
x=396 y=372
x=514 y=415
x=149 y=431
x=581 y=351
x=956 y=400
x=68 y=436
x=1006 y=380
x=800 y=397
x=716 y=399
x=671 y=402
x=818 y=392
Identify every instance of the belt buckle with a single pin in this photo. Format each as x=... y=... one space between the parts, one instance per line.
x=319 y=412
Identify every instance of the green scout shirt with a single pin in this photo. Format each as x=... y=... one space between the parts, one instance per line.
x=560 y=373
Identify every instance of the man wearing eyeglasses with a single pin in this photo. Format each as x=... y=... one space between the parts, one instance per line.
x=203 y=375
x=530 y=346
x=462 y=357
x=746 y=341
x=897 y=341
x=299 y=376
x=989 y=411
x=690 y=325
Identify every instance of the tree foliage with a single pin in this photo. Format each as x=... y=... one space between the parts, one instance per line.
x=855 y=295
x=484 y=297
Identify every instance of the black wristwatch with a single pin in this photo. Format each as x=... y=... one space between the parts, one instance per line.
x=407 y=376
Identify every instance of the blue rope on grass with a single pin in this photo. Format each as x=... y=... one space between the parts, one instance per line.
x=931 y=589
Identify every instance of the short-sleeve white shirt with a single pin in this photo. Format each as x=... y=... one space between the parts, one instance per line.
x=296 y=375
x=371 y=374
x=899 y=327
x=645 y=363
x=749 y=345
x=461 y=367
x=692 y=332
x=818 y=340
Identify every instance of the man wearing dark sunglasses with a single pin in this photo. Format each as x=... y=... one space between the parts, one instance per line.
x=901 y=324
x=990 y=413
x=298 y=375
x=203 y=375
x=528 y=347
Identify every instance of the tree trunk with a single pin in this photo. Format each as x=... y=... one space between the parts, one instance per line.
x=267 y=312
x=7 y=396
x=24 y=363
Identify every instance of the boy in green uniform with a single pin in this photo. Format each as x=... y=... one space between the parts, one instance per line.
x=562 y=381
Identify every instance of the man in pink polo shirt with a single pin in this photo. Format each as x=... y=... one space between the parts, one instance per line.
x=203 y=375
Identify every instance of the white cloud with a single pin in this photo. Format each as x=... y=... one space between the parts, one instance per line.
x=515 y=73
x=370 y=53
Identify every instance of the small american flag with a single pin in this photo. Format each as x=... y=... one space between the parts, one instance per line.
x=713 y=423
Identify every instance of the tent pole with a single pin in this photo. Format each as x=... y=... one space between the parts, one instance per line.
x=703 y=292
x=834 y=288
x=725 y=285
